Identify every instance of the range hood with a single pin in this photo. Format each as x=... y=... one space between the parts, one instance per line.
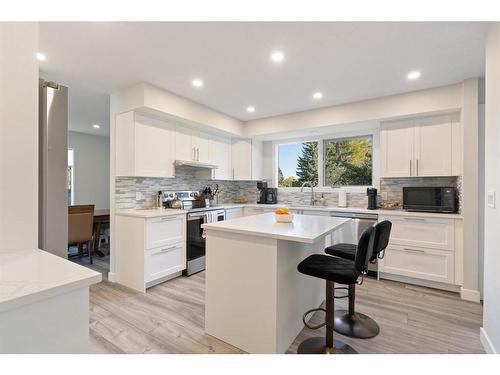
x=196 y=164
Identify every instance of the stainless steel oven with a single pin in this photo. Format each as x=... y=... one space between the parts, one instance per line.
x=195 y=247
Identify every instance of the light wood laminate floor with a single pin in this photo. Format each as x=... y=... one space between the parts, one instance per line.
x=169 y=318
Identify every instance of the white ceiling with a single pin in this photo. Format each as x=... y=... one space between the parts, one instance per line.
x=346 y=61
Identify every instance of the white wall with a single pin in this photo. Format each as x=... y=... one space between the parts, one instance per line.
x=18 y=136
x=91 y=168
x=439 y=99
x=148 y=98
x=490 y=332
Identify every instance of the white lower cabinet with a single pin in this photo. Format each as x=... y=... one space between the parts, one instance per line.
x=150 y=250
x=424 y=248
x=419 y=263
x=163 y=261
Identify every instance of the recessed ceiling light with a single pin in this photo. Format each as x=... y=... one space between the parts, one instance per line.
x=95 y=126
x=40 y=56
x=250 y=109
x=197 y=82
x=317 y=95
x=414 y=75
x=277 y=56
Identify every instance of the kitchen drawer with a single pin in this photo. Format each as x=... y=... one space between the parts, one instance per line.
x=164 y=230
x=426 y=264
x=426 y=232
x=164 y=261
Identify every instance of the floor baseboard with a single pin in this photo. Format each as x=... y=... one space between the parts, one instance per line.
x=470 y=295
x=112 y=277
x=485 y=340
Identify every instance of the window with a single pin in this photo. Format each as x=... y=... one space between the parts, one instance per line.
x=297 y=163
x=348 y=161
x=71 y=176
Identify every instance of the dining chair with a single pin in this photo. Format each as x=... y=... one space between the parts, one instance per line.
x=81 y=228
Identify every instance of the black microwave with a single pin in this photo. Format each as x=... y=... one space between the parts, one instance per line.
x=430 y=199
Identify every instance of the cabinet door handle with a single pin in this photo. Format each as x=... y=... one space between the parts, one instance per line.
x=414 y=218
x=169 y=218
x=233 y=173
x=414 y=250
x=198 y=154
x=166 y=249
x=417 y=167
x=410 y=167
x=194 y=153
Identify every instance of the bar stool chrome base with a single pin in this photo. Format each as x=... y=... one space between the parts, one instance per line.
x=355 y=325
x=317 y=345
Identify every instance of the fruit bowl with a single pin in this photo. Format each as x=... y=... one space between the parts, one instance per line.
x=284 y=218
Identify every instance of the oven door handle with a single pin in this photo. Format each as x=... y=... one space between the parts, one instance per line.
x=192 y=217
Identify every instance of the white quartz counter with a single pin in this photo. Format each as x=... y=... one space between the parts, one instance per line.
x=32 y=275
x=159 y=212
x=304 y=228
x=150 y=212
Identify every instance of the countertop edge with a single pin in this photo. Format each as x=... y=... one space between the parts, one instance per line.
x=168 y=212
x=85 y=279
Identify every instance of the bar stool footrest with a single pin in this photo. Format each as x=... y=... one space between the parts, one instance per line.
x=309 y=312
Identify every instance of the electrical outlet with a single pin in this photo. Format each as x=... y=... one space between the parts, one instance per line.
x=138 y=196
x=384 y=195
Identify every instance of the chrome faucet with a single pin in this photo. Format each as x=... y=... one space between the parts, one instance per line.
x=311 y=185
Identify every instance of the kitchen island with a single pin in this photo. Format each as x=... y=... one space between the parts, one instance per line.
x=254 y=296
x=44 y=303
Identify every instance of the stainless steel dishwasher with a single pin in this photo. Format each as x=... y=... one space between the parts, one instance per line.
x=350 y=233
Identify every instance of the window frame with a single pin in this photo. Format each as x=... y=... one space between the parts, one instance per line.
x=373 y=132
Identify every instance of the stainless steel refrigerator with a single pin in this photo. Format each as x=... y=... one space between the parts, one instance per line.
x=53 y=168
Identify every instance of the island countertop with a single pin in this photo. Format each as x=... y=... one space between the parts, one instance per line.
x=31 y=275
x=304 y=228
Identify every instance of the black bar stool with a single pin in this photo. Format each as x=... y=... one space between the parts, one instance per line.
x=334 y=270
x=348 y=322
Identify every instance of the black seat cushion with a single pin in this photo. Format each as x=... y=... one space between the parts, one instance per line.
x=342 y=250
x=335 y=269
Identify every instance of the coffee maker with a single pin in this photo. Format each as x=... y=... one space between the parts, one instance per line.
x=372 y=198
x=262 y=186
x=271 y=196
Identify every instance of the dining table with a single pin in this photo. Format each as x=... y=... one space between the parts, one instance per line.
x=101 y=216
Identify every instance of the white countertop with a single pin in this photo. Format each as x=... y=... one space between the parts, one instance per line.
x=158 y=212
x=150 y=212
x=32 y=275
x=304 y=228
x=398 y=212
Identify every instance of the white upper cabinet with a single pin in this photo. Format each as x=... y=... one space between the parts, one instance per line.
x=420 y=147
x=433 y=146
x=396 y=144
x=200 y=144
x=242 y=159
x=220 y=155
x=144 y=146
x=191 y=145
x=184 y=149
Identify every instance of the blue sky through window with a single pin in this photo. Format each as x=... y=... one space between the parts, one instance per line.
x=287 y=158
